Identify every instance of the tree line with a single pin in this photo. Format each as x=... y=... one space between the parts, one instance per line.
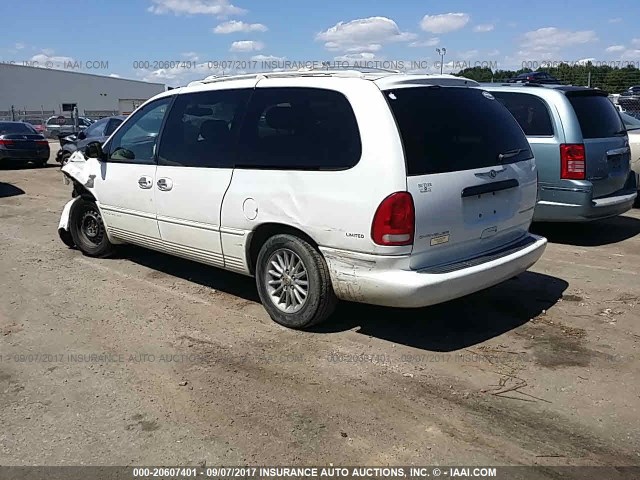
x=608 y=78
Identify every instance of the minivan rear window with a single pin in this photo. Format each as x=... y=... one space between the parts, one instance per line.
x=596 y=114
x=448 y=129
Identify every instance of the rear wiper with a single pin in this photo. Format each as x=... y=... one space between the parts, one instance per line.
x=510 y=154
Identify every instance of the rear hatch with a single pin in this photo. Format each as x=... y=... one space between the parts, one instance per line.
x=470 y=171
x=605 y=141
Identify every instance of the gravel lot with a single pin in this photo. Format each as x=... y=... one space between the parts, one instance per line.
x=187 y=368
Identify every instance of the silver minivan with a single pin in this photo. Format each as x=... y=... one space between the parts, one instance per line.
x=581 y=148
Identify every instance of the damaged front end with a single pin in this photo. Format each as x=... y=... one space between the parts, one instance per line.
x=77 y=172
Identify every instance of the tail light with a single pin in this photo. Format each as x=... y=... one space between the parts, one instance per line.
x=42 y=143
x=394 y=221
x=6 y=142
x=572 y=161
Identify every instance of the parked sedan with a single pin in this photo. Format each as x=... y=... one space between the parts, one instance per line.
x=98 y=132
x=19 y=142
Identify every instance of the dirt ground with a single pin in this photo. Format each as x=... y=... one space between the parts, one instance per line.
x=146 y=359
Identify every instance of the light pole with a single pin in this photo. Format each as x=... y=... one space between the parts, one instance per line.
x=442 y=52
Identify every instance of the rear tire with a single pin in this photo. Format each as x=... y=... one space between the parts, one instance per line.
x=294 y=283
x=87 y=229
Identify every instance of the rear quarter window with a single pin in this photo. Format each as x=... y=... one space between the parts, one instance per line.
x=448 y=129
x=530 y=112
x=596 y=114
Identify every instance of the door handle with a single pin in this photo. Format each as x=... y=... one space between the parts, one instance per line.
x=145 y=182
x=165 y=184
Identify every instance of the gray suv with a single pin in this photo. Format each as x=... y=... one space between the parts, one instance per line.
x=581 y=149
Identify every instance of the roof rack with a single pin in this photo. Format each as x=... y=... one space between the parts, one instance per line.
x=333 y=71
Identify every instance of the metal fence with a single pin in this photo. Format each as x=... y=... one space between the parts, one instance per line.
x=98 y=114
x=38 y=117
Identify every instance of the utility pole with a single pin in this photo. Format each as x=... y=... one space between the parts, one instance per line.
x=442 y=52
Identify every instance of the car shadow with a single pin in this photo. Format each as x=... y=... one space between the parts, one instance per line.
x=211 y=277
x=8 y=190
x=592 y=234
x=27 y=166
x=446 y=327
x=456 y=324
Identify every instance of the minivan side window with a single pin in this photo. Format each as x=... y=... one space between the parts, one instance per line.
x=449 y=129
x=200 y=129
x=530 y=111
x=298 y=128
x=136 y=141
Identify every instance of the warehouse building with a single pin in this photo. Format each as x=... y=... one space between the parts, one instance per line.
x=32 y=92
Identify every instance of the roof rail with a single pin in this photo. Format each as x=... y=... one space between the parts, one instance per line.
x=354 y=72
x=348 y=68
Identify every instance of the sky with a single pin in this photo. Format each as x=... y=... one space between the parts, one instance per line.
x=176 y=41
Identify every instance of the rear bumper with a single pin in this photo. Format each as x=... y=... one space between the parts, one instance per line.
x=372 y=279
x=24 y=155
x=559 y=204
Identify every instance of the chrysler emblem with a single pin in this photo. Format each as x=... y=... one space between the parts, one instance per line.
x=490 y=174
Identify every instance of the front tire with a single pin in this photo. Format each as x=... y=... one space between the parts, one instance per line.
x=87 y=229
x=293 y=282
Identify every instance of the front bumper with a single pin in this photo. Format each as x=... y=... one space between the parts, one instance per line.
x=560 y=204
x=372 y=279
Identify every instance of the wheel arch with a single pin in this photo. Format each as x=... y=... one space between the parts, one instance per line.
x=263 y=232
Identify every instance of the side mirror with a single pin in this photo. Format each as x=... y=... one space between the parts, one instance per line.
x=82 y=135
x=94 y=150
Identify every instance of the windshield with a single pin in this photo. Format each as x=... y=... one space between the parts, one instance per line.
x=597 y=116
x=15 y=128
x=455 y=128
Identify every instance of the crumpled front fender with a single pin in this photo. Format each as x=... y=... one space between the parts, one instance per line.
x=80 y=169
x=66 y=212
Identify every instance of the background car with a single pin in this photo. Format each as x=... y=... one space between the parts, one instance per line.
x=631 y=91
x=97 y=132
x=38 y=125
x=19 y=142
x=581 y=150
x=534 y=77
x=61 y=125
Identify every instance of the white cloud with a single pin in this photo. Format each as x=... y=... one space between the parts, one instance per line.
x=615 y=48
x=615 y=20
x=47 y=59
x=493 y=53
x=432 y=42
x=443 y=23
x=483 y=28
x=357 y=57
x=246 y=46
x=19 y=46
x=267 y=58
x=220 y=8
x=467 y=55
x=584 y=61
x=191 y=56
x=635 y=41
x=364 y=34
x=548 y=41
x=235 y=26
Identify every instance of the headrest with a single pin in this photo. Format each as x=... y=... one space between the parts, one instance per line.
x=282 y=118
x=211 y=129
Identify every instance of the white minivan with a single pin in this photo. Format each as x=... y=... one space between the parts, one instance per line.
x=384 y=188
